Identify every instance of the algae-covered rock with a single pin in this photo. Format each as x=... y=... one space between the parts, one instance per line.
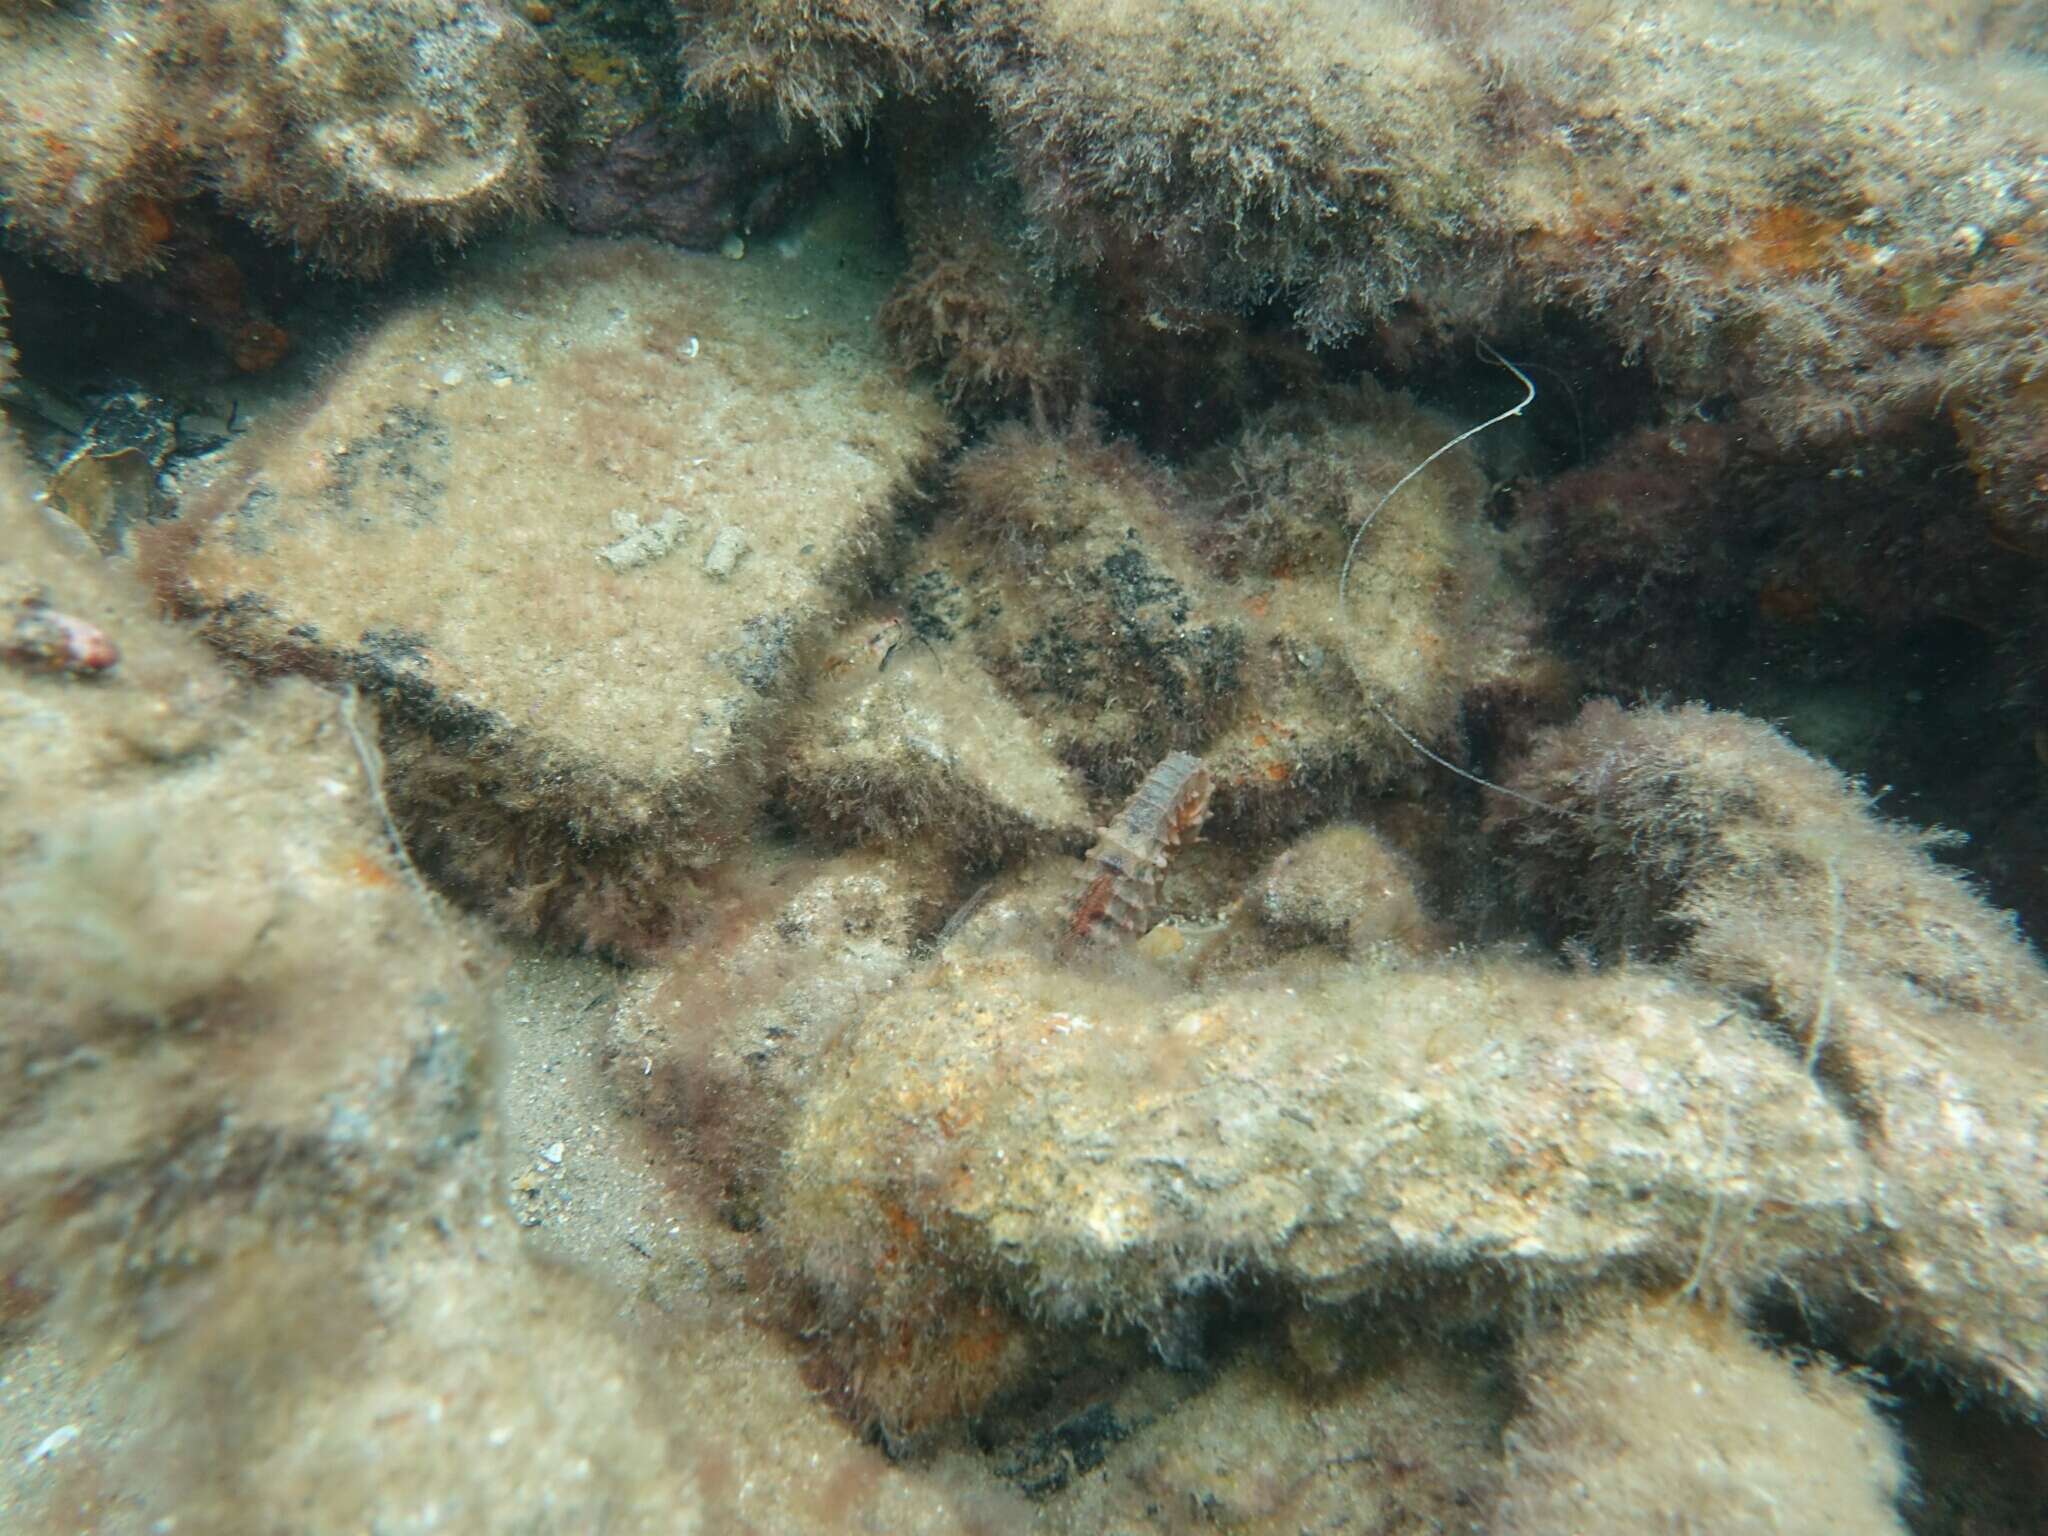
x=1764 y=214
x=1669 y=1418
x=1763 y=871
x=716 y=1047
x=822 y=62
x=1061 y=571
x=1098 y=1150
x=445 y=1376
x=1344 y=887
x=1131 y=612
x=1002 y=336
x=340 y=129
x=1376 y=613
x=1409 y=1434
x=226 y=1003
x=580 y=519
x=896 y=742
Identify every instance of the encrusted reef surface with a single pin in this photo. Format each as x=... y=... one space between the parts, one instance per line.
x=584 y=694
x=343 y=130
x=1010 y=766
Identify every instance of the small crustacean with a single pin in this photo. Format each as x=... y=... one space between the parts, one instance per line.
x=37 y=635
x=1120 y=875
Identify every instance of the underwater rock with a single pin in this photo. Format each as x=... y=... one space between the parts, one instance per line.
x=1003 y=337
x=444 y=1377
x=1098 y=1149
x=1344 y=887
x=1765 y=215
x=1430 y=615
x=715 y=1046
x=571 y=733
x=826 y=64
x=1709 y=838
x=343 y=130
x=1061 y=572
x=227 y=1003
x=896 y=744
x=1953 y=29
x=1407 y=1435
x=718 y=1050
x=1754 y=230
x=1672 y=1418
x=1130 y=613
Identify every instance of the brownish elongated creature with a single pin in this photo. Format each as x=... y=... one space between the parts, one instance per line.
x=1120 y=875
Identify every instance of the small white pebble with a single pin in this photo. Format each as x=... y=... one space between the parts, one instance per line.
x=53 y=1442
x=452 y=377
x=552 y=1155
x=689 y=348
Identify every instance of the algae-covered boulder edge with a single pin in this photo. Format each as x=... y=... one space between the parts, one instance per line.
x=1919 y=1007
x=344 y=128
x=1758 y=211
x=579 y=519
x=224 y=1009
x=1670 y=1417
x=1092 y=1146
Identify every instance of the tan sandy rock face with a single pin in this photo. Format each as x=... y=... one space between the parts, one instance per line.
x=896 y=740
x=1102 y=1150
x=586 y=616
x=1670 y=1418
x=1915 y=1003
x=223 y=1005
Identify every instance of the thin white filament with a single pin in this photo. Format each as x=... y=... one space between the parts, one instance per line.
x=1464 y=773
x=372 y=762
x=1491 y=356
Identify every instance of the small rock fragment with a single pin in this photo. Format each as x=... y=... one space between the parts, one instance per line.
x=1345 y=888
x=43 y=638
x=725 y=554
x=639 y=543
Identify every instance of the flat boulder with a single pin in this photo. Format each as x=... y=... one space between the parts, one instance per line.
x=576 y=519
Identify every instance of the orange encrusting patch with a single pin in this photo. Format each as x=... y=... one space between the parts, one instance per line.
x=364 y=870
x=1785 y=242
